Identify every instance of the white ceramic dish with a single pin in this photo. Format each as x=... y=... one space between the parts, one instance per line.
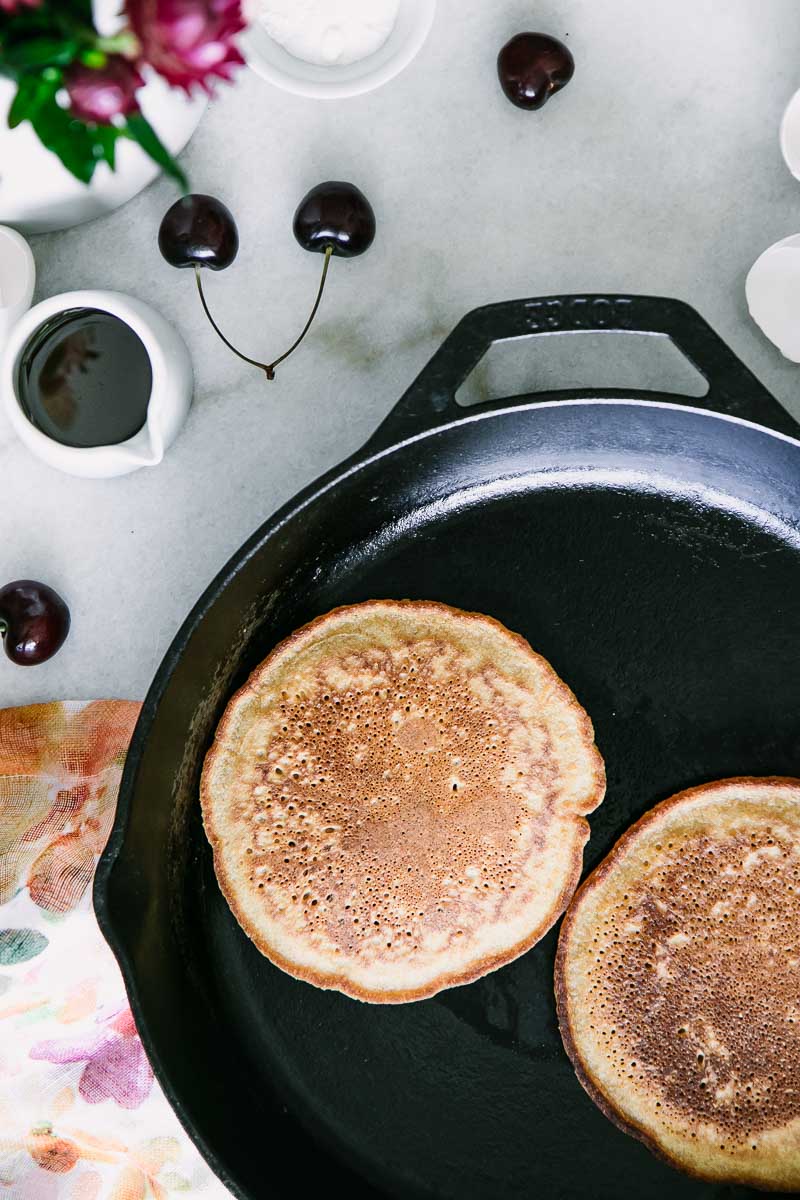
x=772 y=289
x=268 y=59
x=17 y=280
x=790 y=135
x=38 y=194
x=170 y=398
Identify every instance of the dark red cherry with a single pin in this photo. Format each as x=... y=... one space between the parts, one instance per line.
x=34 y=621
x=532 y=67
x=198 y=231
x=336 y=215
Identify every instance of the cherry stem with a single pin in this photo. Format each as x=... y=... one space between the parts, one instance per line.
x=267 y=368
x=314 y=311
x=253 y=361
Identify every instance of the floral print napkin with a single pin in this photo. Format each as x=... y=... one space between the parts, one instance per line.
x=81 y=1117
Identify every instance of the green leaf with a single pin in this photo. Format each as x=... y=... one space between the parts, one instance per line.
x=79 y=10
x=20 y=945
x=105 y=143
x=52 y=13
x=29 y=22
x=125 y=43
x=71 y=140
x=32 y=91
x=94 y=58
x=55 y=127
x=41 y=52
x=139 y=129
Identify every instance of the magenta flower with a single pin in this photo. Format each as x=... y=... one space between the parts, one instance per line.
x=100 y=94
x=116 y=1065
x=188 y=41
x=12 y=6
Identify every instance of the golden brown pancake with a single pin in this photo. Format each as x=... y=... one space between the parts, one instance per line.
x=396 y=799
x=678 y=982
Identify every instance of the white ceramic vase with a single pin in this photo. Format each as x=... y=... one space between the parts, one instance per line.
x=38 y=194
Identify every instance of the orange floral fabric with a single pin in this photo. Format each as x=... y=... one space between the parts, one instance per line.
x=81 y=1117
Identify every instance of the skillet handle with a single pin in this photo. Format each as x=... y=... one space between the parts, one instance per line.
x=431 y=399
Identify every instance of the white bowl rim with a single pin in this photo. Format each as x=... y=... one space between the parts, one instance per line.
x=27 y=277
x=338 y=88
x=791 y=116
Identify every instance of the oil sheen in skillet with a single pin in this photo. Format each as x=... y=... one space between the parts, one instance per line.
x=396 y=799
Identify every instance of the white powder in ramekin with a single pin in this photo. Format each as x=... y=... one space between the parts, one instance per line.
x=327 y=32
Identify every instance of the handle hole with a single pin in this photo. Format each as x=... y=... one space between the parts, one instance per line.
x=639 y=361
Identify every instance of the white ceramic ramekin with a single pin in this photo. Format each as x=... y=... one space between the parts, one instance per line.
x=272 y=62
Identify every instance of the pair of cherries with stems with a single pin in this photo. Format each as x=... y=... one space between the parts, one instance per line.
x=334 y=219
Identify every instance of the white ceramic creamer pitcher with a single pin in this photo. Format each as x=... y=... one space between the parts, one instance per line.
x=170 y=396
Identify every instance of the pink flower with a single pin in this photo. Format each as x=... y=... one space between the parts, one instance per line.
x=102 y=93
x=188 y=41
x=116 y=1064
x=12 y=6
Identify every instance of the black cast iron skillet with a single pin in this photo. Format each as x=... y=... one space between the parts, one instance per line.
x=651 y=551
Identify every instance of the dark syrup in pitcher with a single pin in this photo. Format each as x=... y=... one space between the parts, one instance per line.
x=85 y=379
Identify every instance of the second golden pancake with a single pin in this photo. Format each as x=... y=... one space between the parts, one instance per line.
x=678 y=982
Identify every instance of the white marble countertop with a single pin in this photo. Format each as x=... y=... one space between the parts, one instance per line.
x=657 y=170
